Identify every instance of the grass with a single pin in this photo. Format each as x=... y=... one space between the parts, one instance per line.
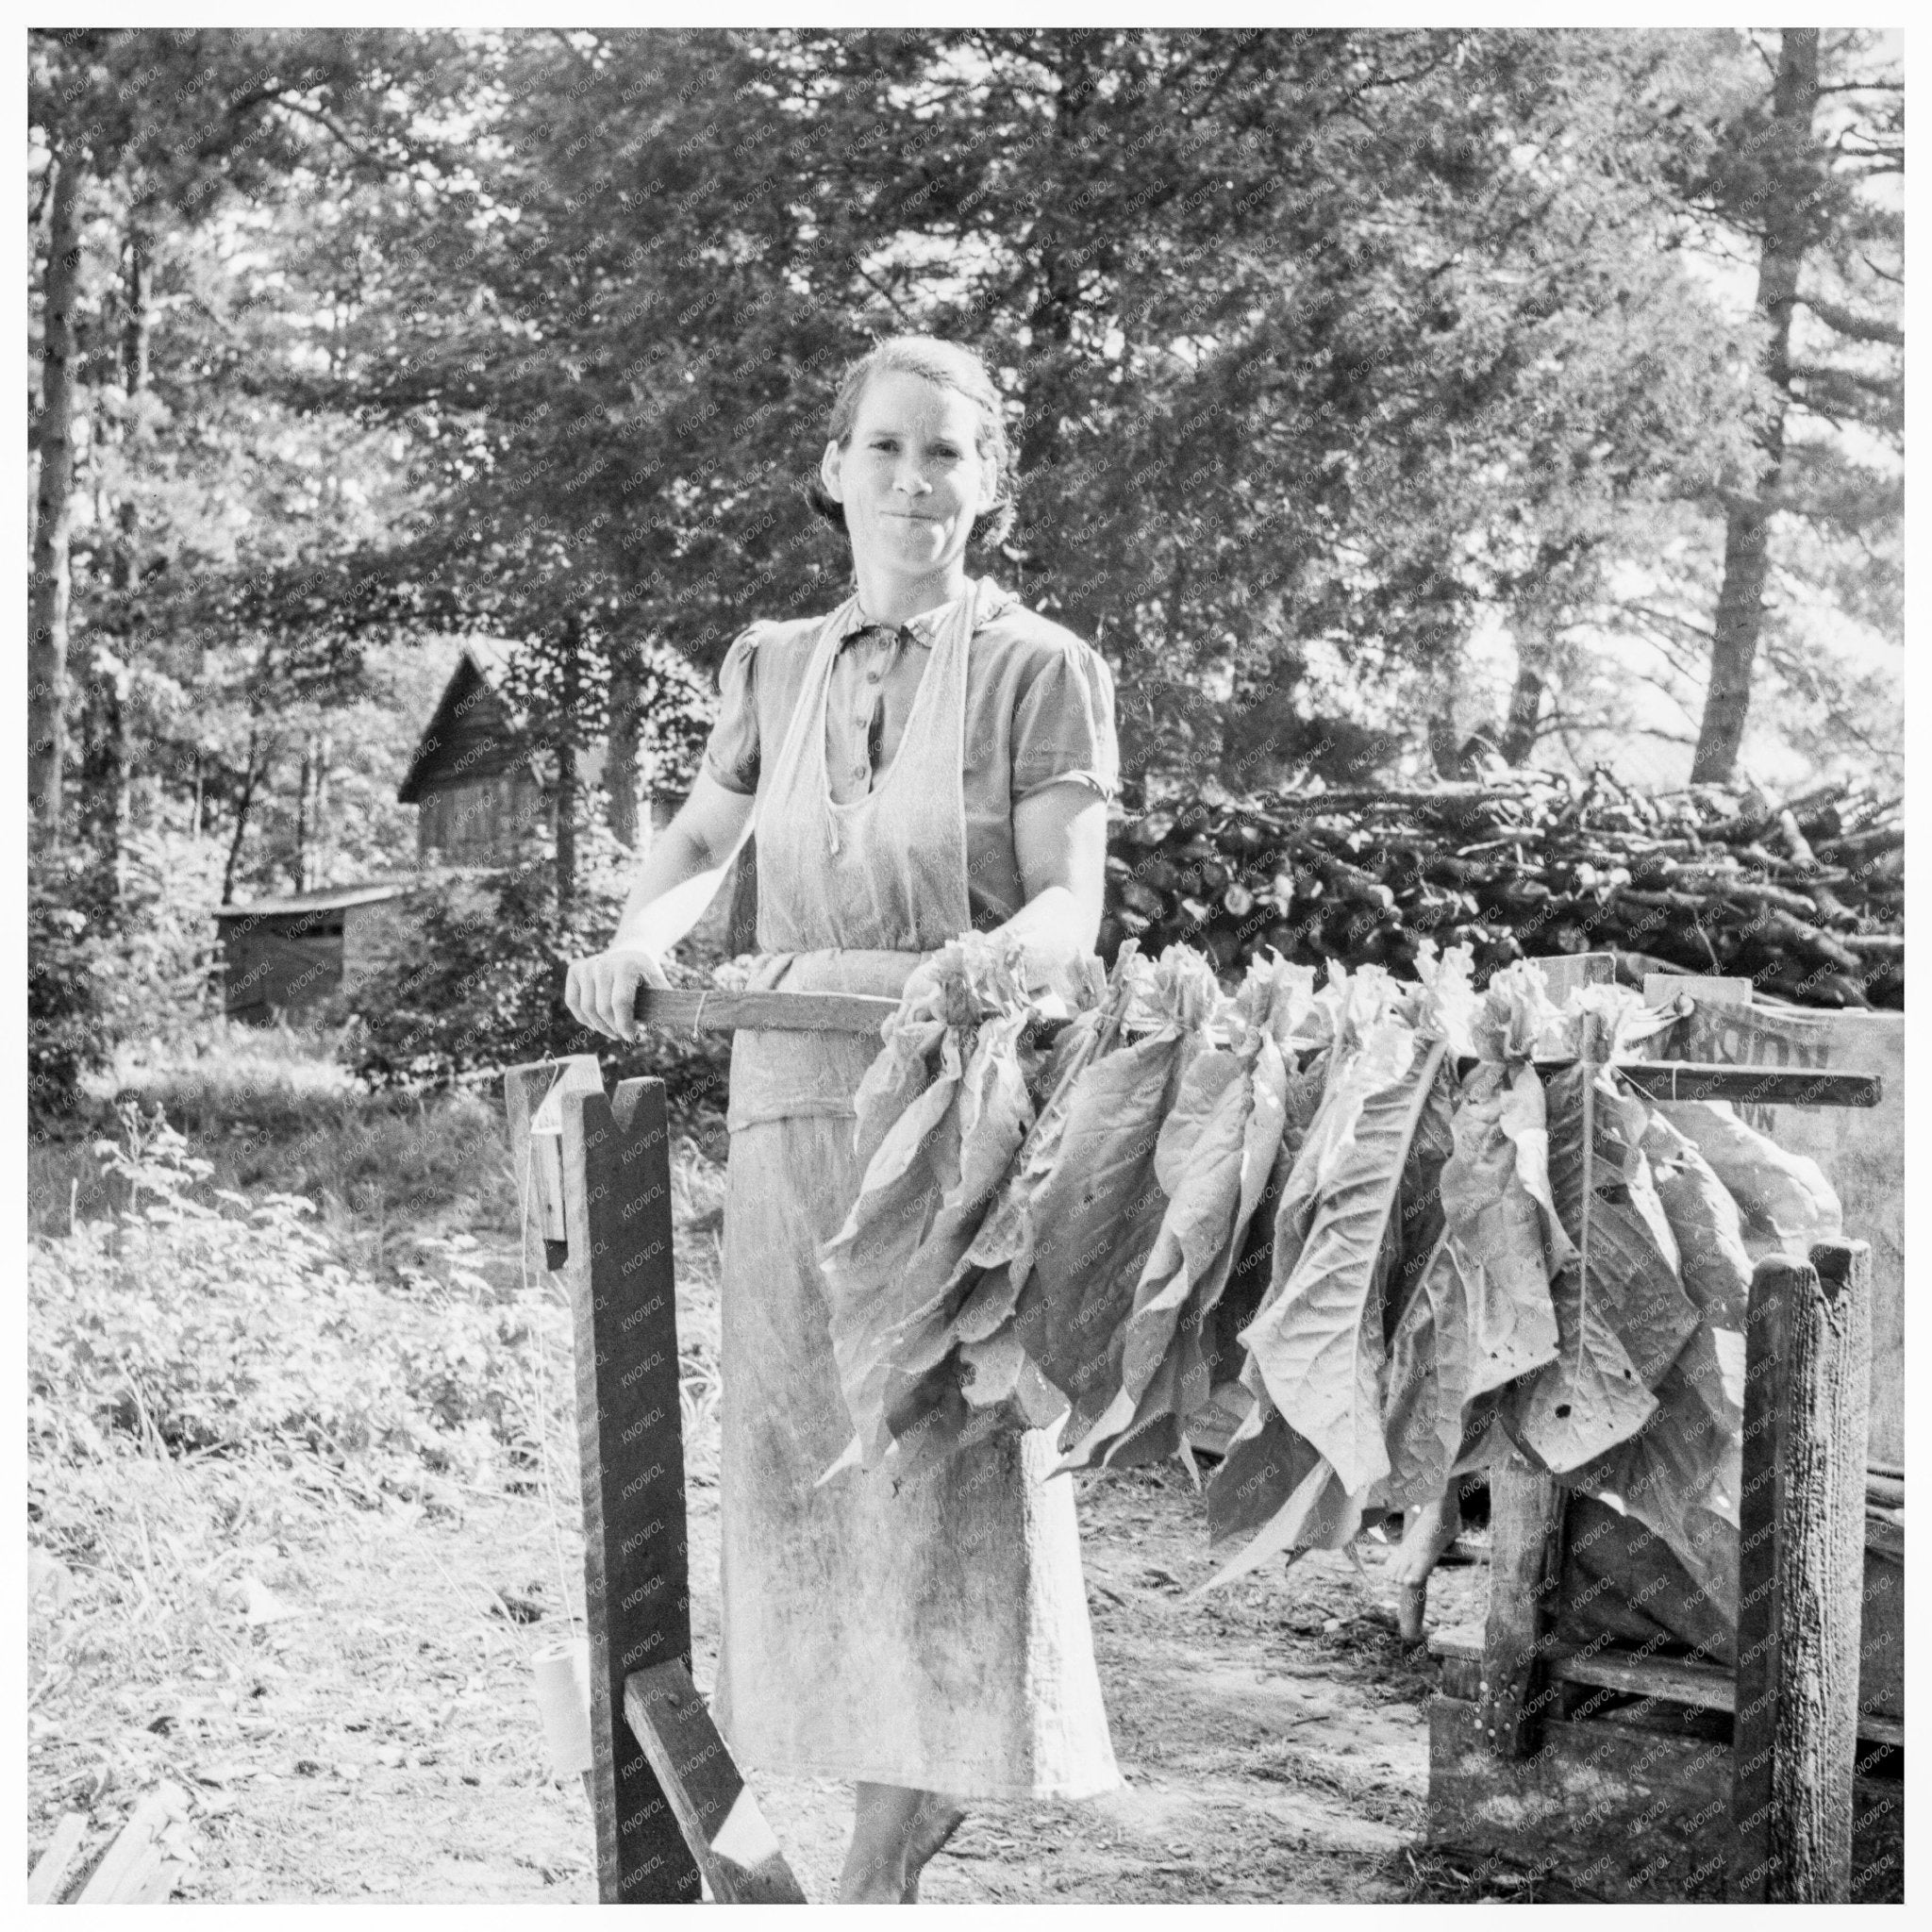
x=1441 y=1875
x=147 y=1654
x=274 y=1111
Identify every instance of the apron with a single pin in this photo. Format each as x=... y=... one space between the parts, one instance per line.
x=932 y=1632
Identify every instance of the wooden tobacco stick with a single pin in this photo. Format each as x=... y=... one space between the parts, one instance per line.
x=49 y=1874
x=1713 y=1080
x=1762 y=1086
x=838 y=1013
x=712 y=1009
x=132 y=1861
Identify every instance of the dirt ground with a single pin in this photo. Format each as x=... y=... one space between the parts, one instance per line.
x=383 y=1744
x=370 y=1734
x=1273 y=1736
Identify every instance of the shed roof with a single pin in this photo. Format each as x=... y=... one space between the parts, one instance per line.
x=480 y=670
x=324 y=899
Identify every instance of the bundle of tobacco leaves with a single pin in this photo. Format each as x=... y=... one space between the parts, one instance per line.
x=1466 y=1253
x=1575 y=1291
x=940 y=1115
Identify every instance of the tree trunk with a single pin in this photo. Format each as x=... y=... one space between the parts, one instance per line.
x=1526 y=702
x=301 y=817
x=620 y=758
x=108 y=775
x=134 y=340
x=1740 y=601
x=48 y=594
x=104 y=777
x=249 y=780
x=570 y=691
x=1073 y=599
x=318 y=808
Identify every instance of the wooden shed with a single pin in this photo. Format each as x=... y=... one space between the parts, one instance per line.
x=286 y=954
x=471 y=776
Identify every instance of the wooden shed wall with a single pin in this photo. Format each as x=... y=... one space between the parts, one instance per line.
x=287 y=960
x=479 y=821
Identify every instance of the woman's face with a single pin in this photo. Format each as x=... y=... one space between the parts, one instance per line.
x=911 y=480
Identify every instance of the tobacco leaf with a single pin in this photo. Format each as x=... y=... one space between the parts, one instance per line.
x=1784 y=1200
x=1265 y=1463
x=1212 y=1160
x=1318 y=1347
x=943 y=1109
x=1096 y=1216
x=1319 y=1514
x=1712 y=1260
x=1483 y=1315
x=1680 y=1473
x=1621 y=1312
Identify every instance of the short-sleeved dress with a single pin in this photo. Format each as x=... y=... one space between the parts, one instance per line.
x=931 y=1631
x=1039 y=710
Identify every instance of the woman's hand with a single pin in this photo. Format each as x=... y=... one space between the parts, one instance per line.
x=602 y=991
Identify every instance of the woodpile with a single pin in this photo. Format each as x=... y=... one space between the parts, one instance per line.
x=1806 y=898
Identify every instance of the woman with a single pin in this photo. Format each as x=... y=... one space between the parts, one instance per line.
x=931 y=756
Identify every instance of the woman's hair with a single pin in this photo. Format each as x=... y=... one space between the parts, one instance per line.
x=952 y=365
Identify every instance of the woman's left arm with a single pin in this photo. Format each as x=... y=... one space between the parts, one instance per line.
x=1059 y=843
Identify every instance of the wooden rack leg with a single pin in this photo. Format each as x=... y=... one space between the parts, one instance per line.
x=630 y=1439
x=617 y=1270
x=1777 y=1285
x=1526 y=1566
x=1801 y=1572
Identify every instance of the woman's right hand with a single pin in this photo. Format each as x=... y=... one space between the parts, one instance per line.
x=602 y=991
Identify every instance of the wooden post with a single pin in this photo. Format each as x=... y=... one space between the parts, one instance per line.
x=617 y=1270
x=1801 y=1574
x=1525 y=1567
x=529 y=1094
x=1821 y=1573
x=1777 y=1285
x=631 y=1444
